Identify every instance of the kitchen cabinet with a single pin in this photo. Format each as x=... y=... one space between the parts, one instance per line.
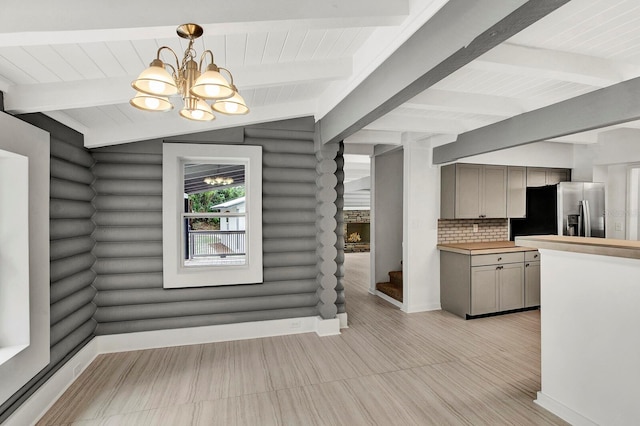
x=497 y=287
x=532 y=279
x=471 y=191
x=516 y=191
x=480 y=284
x=539 y=176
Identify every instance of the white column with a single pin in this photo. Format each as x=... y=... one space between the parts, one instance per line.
x=421 y=207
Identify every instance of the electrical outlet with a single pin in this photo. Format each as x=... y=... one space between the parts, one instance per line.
x=77 y=370
x=618 y=226
x=296 y=324
x=475 y=227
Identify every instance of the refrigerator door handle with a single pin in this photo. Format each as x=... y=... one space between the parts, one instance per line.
x=586 y=221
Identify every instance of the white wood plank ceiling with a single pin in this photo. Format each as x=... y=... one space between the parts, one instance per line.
x=74 y=60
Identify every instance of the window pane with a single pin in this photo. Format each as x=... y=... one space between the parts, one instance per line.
x=217 y=237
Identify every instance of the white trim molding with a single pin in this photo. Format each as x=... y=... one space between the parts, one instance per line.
x=562 y=411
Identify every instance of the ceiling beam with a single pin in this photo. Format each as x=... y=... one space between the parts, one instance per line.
x=468 y=103
x=87 y=21
x=366 y=136
x=86 y=93
x=398 y=122
x=554 y=65
x=611 y=105
x=363 y=183
x=457 y=34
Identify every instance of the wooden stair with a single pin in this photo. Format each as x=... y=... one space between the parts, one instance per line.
x=393 y=288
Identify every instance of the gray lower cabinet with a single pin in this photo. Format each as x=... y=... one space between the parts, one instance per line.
x=497 y=288
x=532 y=284
x=472 y=285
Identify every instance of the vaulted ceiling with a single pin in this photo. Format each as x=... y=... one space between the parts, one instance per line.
x=74 y=60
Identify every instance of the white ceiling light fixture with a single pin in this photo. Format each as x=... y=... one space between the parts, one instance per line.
x=156 y=84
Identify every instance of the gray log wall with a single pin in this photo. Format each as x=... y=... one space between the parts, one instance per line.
x=71 y=291
x=128 y=238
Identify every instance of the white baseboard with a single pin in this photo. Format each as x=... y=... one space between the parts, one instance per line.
x=343 y=320
x=42 y=399
x=562 y=411
x=208 y=334
x=47 y=394
x=388 y=299
x=423 y=308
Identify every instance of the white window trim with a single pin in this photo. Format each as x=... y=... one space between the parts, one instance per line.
x=175 y=275
x=23 y=360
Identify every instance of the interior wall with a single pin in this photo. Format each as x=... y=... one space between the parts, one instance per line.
x=608 y=161
x=71 y=277
x=387 y=216
x=129 y=238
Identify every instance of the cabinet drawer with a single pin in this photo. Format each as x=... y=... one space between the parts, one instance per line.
x=497 y=258
x=531 y=256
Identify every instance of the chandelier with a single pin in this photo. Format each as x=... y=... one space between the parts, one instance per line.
x=218 y=180
x=187 y=78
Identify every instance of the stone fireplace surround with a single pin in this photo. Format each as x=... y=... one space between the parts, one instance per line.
x=360 y=217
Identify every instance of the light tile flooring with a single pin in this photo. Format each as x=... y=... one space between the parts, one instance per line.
x=388 y=368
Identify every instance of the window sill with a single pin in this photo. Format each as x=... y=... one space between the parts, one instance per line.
x=9 y=352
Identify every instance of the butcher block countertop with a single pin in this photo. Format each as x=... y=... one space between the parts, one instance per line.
x=585 y=245
x=489 y=247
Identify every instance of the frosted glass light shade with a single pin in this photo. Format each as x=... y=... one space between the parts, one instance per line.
x=148 y=102
x=156 y=80
x=212 y=85
x=234 y=105
x=197 y=110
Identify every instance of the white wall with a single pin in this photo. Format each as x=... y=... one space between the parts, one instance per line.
x=421 y=212
x=387 y=217
x=590 y=341
x=608 y=161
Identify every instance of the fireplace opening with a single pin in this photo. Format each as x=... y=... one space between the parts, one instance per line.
x=358 y=233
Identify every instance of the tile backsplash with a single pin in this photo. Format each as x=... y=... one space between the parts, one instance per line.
x=452 y=231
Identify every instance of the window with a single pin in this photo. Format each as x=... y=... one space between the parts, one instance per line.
x=212 y=215
x=24 y=249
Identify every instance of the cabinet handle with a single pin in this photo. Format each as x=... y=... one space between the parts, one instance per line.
x=499 y=267
x=535 y=256
x=499 y=259
x=526 y=265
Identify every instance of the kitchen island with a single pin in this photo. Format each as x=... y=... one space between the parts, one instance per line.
x=590 y=339
x=487 y=278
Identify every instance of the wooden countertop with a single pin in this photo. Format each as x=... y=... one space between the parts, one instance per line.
x=586 y=245
x=489 y=247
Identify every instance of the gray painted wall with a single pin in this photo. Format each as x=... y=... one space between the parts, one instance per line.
x=129 y=238
x=71 y=292
x=388 y=213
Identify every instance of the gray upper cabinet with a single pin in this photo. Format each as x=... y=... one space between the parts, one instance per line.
x=516 y=191
x=538 y=176
x=471 y=191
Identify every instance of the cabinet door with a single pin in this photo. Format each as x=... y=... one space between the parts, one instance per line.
x=536 y=177
x=531 y=284
x=495 y=192
x=484 y=289
x=468 y=191
x=511 y=286
x=516 y=192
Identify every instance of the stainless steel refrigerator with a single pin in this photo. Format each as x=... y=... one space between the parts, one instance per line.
x=580 y=209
